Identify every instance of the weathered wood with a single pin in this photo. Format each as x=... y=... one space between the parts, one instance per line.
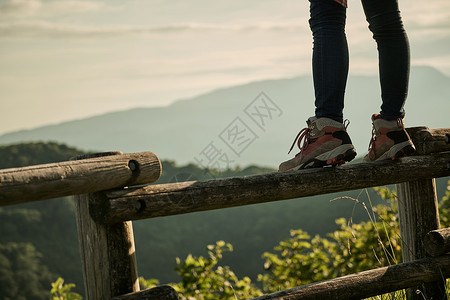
x=418 y=215
x=178 y=198
x=437 y=242
x=418 y=211
x=107 y=253
x=163 y=292
x=418 y=208
x=430 y=140
x=20 y=185
x=371 y=283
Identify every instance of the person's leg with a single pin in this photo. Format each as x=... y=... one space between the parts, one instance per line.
x=325 y=141
x=330 y=57
x=389 y=137
x=386 y=25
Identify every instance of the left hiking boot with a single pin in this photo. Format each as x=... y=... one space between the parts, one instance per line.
x=325 y=143
x=389 y=140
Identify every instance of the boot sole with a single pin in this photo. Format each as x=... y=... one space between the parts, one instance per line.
x=339 y=156
x=398 y=151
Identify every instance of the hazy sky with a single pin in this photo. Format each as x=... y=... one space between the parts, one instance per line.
x=67 y=59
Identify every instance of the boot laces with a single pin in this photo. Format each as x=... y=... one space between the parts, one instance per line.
x=304 y=135
x=372 y=140
x=346 y=123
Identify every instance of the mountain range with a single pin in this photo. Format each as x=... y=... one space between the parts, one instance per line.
x=254 y=123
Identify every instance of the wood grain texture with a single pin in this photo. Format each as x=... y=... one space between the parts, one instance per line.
x=370 y=283
x=107 y=252
x=437 y=242
x=179 y=198
x=418 y=215
x=163 y=292
x=430 y=140
x=20 y=185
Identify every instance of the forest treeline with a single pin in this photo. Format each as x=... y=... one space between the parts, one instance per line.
x=38 y=241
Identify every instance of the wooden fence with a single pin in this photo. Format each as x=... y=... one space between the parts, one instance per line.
x=109 y=194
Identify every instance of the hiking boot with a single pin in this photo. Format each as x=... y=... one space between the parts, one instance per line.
x=325 y=142
x=389 y=140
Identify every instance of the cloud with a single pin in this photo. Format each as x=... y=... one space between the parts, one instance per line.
x=67 y=6
x=37 y=8
x=425 y=15
x=20 y=8
x=49 y=29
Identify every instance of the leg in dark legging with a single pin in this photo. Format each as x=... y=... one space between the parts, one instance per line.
x=330 y=57
x=393 y=52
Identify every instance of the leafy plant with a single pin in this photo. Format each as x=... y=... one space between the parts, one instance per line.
x=61 y=291
x=351 y=248
x=202 y=278
x=444 y=208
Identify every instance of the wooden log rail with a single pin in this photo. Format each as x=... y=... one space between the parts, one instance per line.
x=20 y=185
x=371 y=283
x=437 y=242
x=178 y=198
x=163 y=292
x=430 y=140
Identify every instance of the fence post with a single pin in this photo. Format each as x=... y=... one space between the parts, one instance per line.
x=107 y=251
x=418 y=214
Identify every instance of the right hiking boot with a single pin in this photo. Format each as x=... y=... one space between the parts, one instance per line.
x=389 y=140
x=325 y=143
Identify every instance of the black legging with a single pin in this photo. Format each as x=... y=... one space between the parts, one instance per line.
x=330 y=56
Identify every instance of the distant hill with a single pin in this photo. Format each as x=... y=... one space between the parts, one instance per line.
x=27 y=154
x=189 y=129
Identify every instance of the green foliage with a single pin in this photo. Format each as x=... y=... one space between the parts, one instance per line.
x=444 y=208
x=300 y=260
x=22 y=275
x=202 y=278
x=61 y=291
x=51 y=228
x=352 y=248
x=148 y=283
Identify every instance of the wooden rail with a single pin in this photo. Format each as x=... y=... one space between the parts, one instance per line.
x=430 y=140
x=437 y=242
x=178 y=198
x=371 y=283
x=20 y=185
x=163 y=292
